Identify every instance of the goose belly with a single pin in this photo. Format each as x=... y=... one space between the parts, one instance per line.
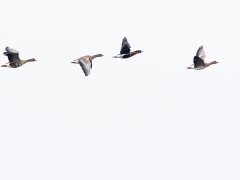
x=15 y=64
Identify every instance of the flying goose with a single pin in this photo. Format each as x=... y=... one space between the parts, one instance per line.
x=86 y=63
x=14 y=60
x=199 y=60
x=125 y=51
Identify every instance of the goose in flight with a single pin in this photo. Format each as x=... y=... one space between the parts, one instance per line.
x=125 y=51
x=14 y=60
x=199 y=60
x=86 y=63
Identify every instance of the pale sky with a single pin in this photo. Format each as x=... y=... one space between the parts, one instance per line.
x=146 y=117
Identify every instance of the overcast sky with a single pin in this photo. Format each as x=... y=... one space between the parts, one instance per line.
x=146 y=117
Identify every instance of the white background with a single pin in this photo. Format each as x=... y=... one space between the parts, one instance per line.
x=146 y=117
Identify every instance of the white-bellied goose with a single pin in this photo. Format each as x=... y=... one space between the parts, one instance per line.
x=14 y=60
x=125 y=51
x=86 y=63
x=199 y=60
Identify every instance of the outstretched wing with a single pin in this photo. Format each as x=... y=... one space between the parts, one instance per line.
x=11 y=50
x=12 y=54
x=126 y=48
x=200 y=53
x=198 y=62
x=86 y=65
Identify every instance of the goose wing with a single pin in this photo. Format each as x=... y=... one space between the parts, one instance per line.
x=198 y=62
x=12 y=54
x=86 y=64
x=126 y=48
x=200 y=53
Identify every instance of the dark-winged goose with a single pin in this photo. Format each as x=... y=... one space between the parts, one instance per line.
x=125 y=51
x=199 y=60
x=14 y=60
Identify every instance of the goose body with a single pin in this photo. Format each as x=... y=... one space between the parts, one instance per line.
x=199 y=60
x=86 y=63
x=13 y=58
x=125 y=51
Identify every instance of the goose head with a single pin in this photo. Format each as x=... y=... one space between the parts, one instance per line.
x=99 y=55
x=214 y=62
x=139 y=51
x=32 y=59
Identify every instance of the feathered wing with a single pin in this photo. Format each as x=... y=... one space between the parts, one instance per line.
x=126 y=48
x=86 y=65
x=198 y=62
x=11 y=50
x=200 y=53
x=12 y=54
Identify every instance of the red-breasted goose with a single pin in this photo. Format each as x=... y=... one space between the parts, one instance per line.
x=125 y=51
